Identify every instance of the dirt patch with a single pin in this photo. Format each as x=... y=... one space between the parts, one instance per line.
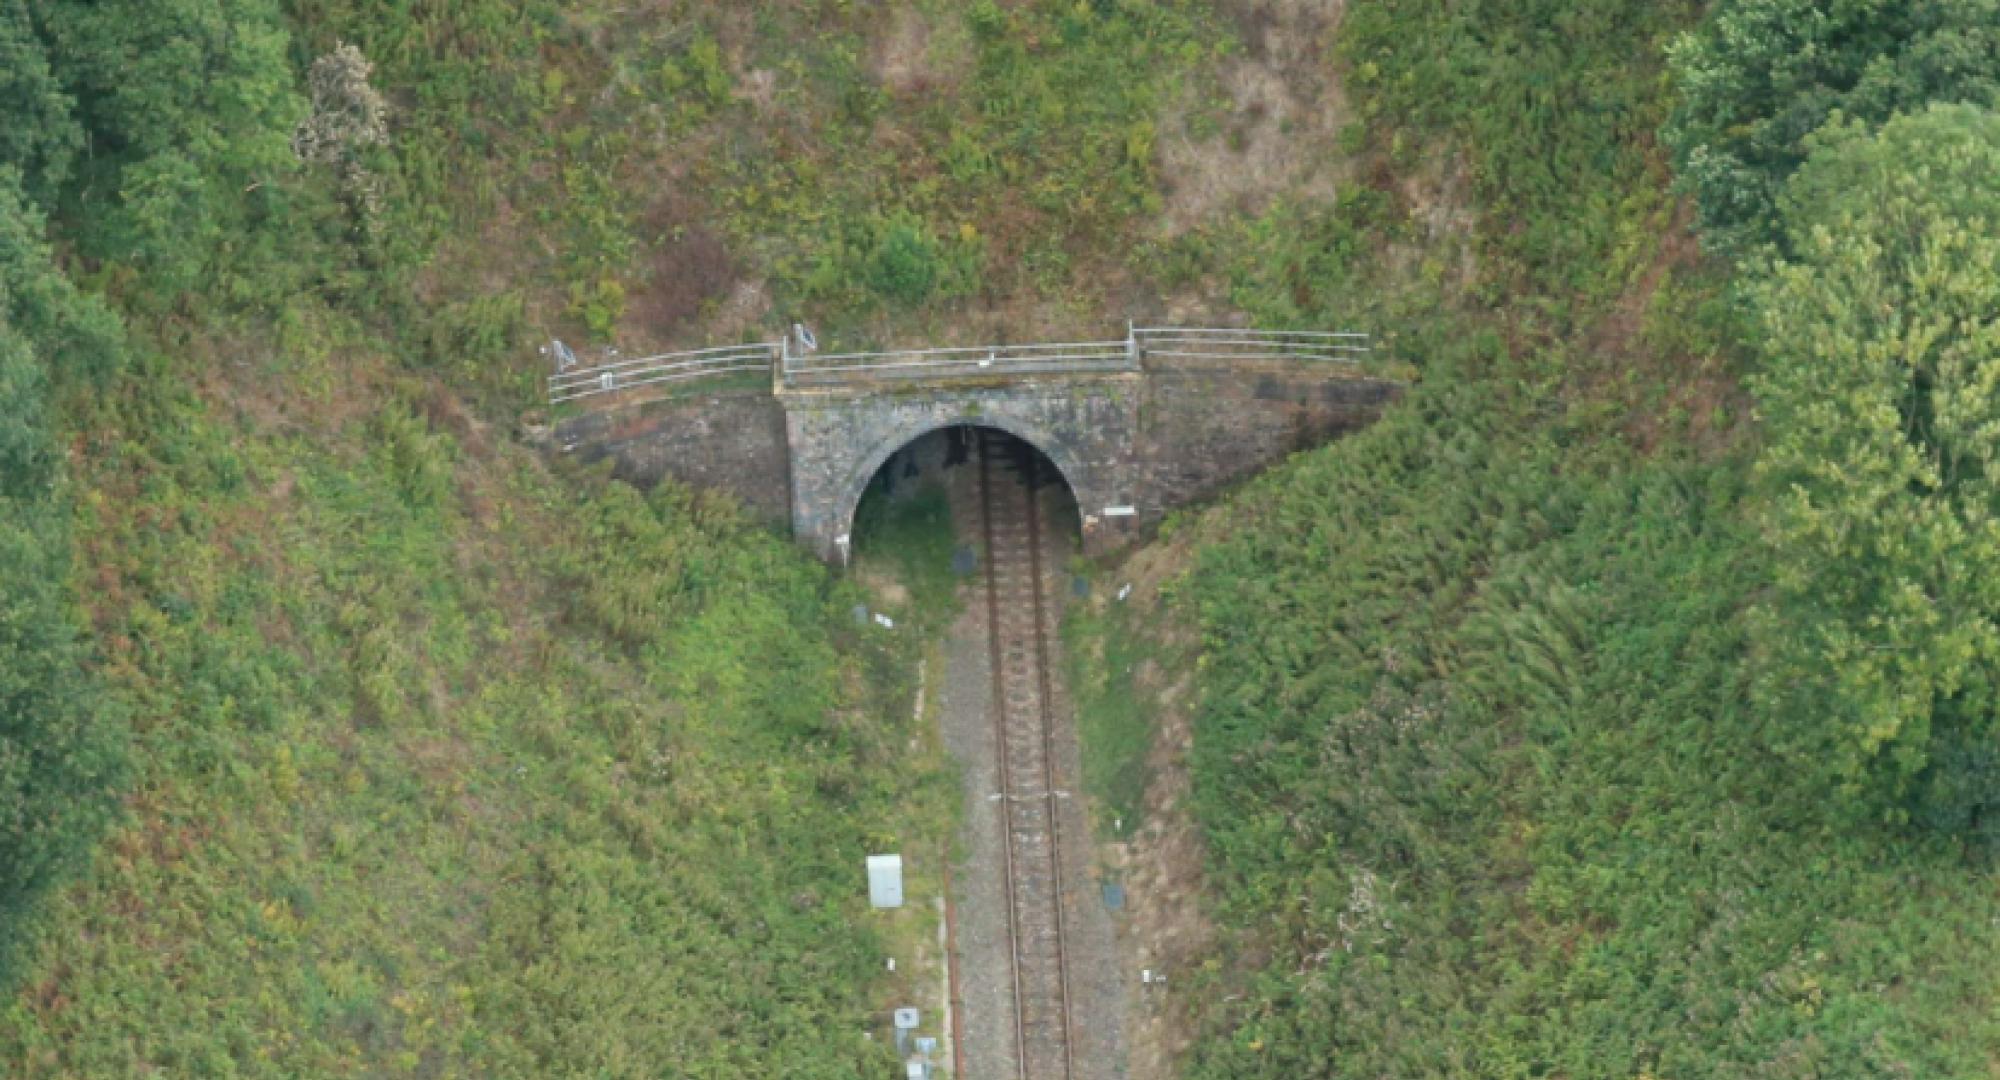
x=1277 y=132
x=689 y=270
x=1437 y=198
x=916 y=57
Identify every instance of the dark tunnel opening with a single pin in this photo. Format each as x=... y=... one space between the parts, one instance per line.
x=907 y=508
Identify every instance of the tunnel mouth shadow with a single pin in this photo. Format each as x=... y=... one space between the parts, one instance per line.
x=904 y=517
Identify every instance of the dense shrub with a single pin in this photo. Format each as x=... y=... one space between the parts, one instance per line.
x=1487 y=788
x=188 y=106
x=902 y=267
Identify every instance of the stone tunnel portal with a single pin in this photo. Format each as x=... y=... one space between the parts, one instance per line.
x=926 y=465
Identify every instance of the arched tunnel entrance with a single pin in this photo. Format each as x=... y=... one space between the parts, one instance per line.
x=921 y=507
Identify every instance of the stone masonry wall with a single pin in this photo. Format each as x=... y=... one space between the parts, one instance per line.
x=1151 y=442
x=1202 y=429
x=729 y=442
x=1084 y=425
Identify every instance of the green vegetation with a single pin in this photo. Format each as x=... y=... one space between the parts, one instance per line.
x=1560 y=724
x=1758 y=77
x=1552 y=104
x=908 y=537
x=61 y=751
x=1622 y=705
x=1480 y=759
x=1113 y=719
x=1880 y=388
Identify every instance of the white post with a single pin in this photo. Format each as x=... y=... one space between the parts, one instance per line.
x=1131 y=345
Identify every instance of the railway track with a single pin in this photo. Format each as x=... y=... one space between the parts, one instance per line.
x=1018 y=613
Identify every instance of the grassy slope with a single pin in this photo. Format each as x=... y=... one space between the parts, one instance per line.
x=1478 y=762
x=450 y=765
x=1483 y=787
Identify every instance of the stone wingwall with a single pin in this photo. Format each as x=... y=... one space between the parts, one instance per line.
x=1204 y=428
x=728 y=442
x=1131 y=445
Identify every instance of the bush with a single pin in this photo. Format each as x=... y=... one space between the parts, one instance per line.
x=903 y=265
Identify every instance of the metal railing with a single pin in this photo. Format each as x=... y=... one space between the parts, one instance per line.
x=805 y=368
x=1236 y=344
x=582 y=382
x=957 y=362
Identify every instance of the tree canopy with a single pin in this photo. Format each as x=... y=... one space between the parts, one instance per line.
x=1880 y=391
x=1758 y=77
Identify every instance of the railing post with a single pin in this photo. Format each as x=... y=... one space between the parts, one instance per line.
x=1131 y=346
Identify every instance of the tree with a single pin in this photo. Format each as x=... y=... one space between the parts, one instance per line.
x=1759 y=76
x=188 y=107
x=1880 y=395
x=40 y=136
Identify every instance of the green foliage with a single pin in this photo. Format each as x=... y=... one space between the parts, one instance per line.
x=598 y=303
x=61 y=755
x=187 y=106
x=902 y=266
x=40 y=137
x=1022 y=143
x=1481 y=770
x=74 y=334
x=1880 y=393
x=1551 y=103
x=449 y=765
x=1760 y=76
x=1301 y=263
x=699 y=73
x=442 y=764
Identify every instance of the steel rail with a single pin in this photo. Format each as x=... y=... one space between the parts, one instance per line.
x=765 y=349
x=1024 y=936
x=1000 y=750
x=1285 y=355
x=1044 y=699
x=1238 y=330
x=796 y=369
x=1312 y=344
x=1031 y=363
x=977 y=349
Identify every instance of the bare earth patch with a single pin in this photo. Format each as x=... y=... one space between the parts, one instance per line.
x=918 y=54
x=1284 y=110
